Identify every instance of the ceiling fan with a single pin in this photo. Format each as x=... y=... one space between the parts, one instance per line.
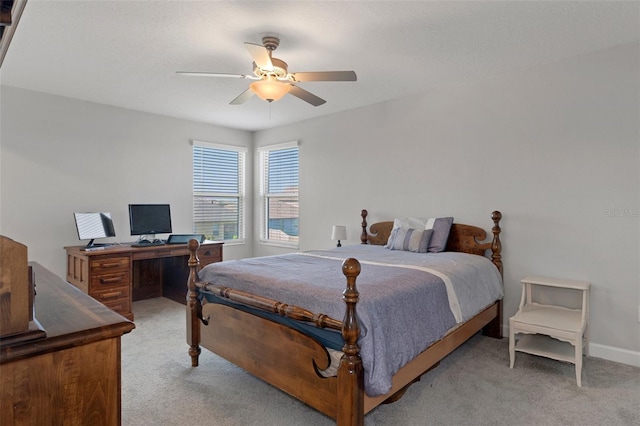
x=273 y=80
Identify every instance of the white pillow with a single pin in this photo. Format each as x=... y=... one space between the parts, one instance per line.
x=410 y=222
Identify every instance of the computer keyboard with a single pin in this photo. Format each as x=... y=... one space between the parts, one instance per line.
x=147 y=243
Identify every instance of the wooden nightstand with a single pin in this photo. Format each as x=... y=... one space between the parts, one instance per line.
x=551 y=331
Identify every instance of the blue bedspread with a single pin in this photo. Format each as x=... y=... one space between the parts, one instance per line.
x=401 y=310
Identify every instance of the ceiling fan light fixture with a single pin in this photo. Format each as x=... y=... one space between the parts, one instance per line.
x=270 y=89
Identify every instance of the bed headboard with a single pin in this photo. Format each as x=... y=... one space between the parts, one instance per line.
x=462 y=238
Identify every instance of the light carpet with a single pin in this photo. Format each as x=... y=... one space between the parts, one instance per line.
x=472 y=386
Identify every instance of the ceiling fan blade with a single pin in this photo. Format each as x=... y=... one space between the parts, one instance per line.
x=324 y=76
x=242 y=97
x=306 y=96
x=213 y=74
x=260 y=55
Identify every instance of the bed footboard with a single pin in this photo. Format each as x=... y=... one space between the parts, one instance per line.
x=277 y=354
x=256 y=345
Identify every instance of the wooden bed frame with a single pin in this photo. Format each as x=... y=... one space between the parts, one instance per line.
x=290 y=360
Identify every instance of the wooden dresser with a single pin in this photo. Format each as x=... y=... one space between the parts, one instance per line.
x=71 y=376
x=120 y=274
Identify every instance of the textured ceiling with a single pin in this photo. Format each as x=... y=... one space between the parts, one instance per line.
x=126 y=53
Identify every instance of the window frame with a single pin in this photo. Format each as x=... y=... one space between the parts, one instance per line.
x=262 y=154
x=241 y=195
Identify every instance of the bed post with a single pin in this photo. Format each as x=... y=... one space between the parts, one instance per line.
x=194 y=308
x=494 y=328
x=350 y=410
x=363 y=235
x=496 y=245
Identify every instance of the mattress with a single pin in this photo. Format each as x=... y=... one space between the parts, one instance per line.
x=407 y=300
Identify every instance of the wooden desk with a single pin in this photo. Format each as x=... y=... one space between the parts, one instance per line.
x=120 y=274
x=71 y=376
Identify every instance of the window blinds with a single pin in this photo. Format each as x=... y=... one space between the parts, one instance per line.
x=218 y=191
x=279 y=187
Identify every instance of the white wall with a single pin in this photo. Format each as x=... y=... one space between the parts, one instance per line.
x=556 y=149
x=60 y=155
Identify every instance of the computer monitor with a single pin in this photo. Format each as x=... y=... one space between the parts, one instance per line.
x=94 y=225
x=149 y=219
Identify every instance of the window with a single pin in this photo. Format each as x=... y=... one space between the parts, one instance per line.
x=279 y=194
x=218 y=191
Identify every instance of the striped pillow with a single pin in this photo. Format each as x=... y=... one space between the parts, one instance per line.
x=409 y=239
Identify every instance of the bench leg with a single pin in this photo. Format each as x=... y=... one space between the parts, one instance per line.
x=578 y=344
x=512 y=346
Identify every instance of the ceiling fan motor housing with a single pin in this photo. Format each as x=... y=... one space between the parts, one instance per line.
x=279 y=69
x=271 y=42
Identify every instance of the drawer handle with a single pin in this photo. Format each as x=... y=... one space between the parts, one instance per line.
x=110 y=265
x=111 y=295
x=110 y=280
x=207 y=253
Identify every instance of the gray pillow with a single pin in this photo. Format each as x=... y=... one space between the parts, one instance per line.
x=441 y=227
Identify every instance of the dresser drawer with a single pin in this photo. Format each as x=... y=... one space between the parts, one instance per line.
x=210 y=254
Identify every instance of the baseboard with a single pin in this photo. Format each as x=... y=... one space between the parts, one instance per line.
x=610 y=353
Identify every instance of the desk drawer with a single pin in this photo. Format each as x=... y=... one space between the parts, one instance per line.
x=121 y=306
x=149 y=254
x=162 y=251
x=108 y=264
x=111 y=294
x=210 y=254
x=107 y=282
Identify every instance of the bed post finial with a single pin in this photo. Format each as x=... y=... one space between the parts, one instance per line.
x=496 y=245
x=350 y=410
x=193 y=304
x=363 y=236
